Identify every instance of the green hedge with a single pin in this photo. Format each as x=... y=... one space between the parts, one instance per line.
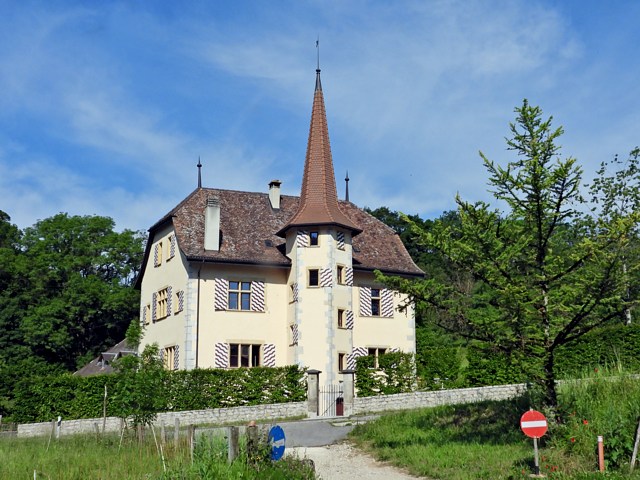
x=603 y=347
x=395 y=374
x=44 y=398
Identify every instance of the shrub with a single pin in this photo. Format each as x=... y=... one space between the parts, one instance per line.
x=395 y=374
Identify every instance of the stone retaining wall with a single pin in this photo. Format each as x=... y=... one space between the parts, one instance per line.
x=217 y=416
x=407 y=401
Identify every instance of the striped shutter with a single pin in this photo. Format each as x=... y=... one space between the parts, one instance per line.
x=294 y=334
x=386 y=302
x=326 y=277
x=295 y=290
x=269 y=355
x=394 y=350
x=162 y=356
x=155 y=255
x=365 y=301
x=302 y=240
x=176 y=358
x=348 y=276
x=257 y=296
x=180 y=301
x=349 y=322
x=143 y=315
x=355 y=353
x=221 y=355
x=172 y=246
x=154 y=307
x=340 y=240
x=221 y=300
x=169 y=298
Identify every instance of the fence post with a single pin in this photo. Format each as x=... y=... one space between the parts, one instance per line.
x=313 y=392
x=176 y=433
x=232 y=439
x=348 y=391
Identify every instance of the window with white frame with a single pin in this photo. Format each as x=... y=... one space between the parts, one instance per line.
x=239 y=295
x=244 y=355
x=375 y=352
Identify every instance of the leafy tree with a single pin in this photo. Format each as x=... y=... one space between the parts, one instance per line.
x=547 y=269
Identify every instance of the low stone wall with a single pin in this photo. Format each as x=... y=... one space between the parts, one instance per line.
x=216 y=416
x=407 y=401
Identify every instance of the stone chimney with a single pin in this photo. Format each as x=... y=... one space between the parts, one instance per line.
x=274 y=193
x=212 y=224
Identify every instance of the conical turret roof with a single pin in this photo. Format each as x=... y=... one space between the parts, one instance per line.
x=318 y=197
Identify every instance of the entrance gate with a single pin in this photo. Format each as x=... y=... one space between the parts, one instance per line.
x=331 y=400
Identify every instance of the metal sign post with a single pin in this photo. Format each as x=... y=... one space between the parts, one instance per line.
x=534 y=425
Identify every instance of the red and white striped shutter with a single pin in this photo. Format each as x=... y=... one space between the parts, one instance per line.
x=348 y=276
x=257 y=296
x=365 y=302
x=355 y=353
x=169 y=301
x=176 y=358
x=221 y=300
x=154 y=307
x=349 y=322
x=269 y=355
x=302 y=239
x=326 y=277
x=386 y=302
x=221 y=359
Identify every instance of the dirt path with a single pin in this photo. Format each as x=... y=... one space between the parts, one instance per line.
x=342 y=461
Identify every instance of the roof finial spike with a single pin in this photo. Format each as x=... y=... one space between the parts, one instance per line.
x=318 y=84
x=199 y=173
x=346 y=180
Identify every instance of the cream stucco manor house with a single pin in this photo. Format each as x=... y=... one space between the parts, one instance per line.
x=243 y=279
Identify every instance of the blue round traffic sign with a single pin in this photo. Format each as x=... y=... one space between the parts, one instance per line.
x=276 y=440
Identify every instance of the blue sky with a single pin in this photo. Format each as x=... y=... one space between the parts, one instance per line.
x=105 y=107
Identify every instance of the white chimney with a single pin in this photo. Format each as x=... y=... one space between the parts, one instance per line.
x=212 y=224
x=274 y=193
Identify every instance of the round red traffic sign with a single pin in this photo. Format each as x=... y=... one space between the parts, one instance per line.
x=533 y=424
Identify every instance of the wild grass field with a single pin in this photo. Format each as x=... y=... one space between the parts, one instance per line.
x=484 y=441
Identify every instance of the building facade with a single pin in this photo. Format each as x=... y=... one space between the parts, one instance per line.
x=242 y=279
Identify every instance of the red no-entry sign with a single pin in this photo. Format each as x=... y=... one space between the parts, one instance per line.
x=533 y=424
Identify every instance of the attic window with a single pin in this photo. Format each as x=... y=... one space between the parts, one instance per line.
x=268 y=243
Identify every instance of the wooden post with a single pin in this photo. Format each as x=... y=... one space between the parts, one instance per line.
x=97 y=429
x=104 y=410
x=253 y=447
x=600 y=453
x=140 y=433
x=635 y=450
x=232 y=439
x=176 y=433
x=58 y=427
x=192 y=440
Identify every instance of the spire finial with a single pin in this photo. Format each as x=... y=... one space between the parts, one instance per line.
x=346 y=180
x=199 y=173
x=318 y=84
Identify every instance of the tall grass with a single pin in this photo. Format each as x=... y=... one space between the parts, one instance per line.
x=86 y=457
x=484 y=440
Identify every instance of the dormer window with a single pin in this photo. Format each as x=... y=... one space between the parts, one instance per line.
x=313 y=239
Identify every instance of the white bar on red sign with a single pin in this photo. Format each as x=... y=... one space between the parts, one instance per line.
x=535 y=423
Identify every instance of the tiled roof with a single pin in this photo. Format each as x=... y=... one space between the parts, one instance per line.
x=102 y=363
x=318 y=199
x=248 y=228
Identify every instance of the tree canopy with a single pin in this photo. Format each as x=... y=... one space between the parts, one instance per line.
x=547 y=268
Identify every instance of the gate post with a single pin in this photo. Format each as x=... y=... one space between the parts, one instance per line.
x=313 y=392
x=348 y=391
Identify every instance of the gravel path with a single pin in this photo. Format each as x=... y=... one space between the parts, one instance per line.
x=342 y=461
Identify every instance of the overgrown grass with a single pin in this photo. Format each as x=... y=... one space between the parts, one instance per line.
x=84 y=457
x=484 y=441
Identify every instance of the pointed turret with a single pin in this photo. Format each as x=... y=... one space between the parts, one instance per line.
x=319 y=198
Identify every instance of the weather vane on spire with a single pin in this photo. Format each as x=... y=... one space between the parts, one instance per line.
x=318 y=49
